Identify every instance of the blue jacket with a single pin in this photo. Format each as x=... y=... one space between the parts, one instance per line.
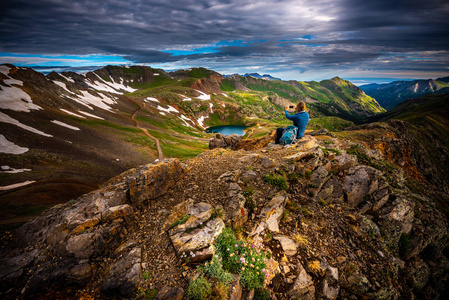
x=300 y=120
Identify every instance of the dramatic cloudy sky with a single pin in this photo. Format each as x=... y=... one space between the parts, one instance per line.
x=291 y=39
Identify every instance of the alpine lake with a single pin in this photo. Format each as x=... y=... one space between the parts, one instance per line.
x=227 y=129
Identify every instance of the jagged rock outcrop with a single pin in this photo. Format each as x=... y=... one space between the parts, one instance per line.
x=330 y=226
x=224 y=141
x=84 y=235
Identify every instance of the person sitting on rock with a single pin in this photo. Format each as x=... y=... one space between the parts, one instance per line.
x=300 y=120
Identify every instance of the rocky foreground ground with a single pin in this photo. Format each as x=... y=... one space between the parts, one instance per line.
x=324 y=225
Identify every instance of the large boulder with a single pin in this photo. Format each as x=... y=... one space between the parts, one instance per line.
x=193 y=230
x=271 y=214
x=303 y=287
x=224 y=141
x=124 y=275
x=155 y=181
x=359 y=182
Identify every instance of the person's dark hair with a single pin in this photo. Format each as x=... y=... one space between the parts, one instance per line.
x=300 y=106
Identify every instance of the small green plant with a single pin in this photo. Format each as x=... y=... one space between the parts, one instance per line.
x=180 y=220
x=146 y=275
x=220 y=291
x=250 y=204
x=308 y=174
x=323 y=202
x=261 y=294
x=214 y=269
x=251 y=168
x=293 y=206
x=239 y=256
x=306 y=212
x=199 y=289
x=285 y=216
x=278 y=181
x=300 y=240
x=216 y=213
x=268 y=237
x=293 y=177
x=149 y=294
x=311 y=193
x=404 y=244
x=71 y=201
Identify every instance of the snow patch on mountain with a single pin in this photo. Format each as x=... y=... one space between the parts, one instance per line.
x=90 y=115
x=8 y=169
x=13 y=186
x=12 y=97
x=9 y=147
x=11 y=81
x=64 y=86
x=64 y=125
x=185 y=119
x=168 y=110
x=185 y=98
x=7 y=119
x=203 y=96
x=72 y=113
x=101 y=102
x=152 y=99
x=201 y=120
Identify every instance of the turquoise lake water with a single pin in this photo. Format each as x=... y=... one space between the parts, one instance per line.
x=227 y=129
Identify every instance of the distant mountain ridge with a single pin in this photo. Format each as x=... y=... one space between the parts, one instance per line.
x=255 y=75
x=391 y=94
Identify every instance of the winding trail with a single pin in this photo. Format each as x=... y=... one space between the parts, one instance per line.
x=158 y=144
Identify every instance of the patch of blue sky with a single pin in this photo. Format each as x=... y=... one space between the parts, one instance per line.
x=203 y=50
x=301 y=38
x=309 y=45
x=214 y=48
x=27 y=60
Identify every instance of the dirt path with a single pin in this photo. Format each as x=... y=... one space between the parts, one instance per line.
x=158 y=144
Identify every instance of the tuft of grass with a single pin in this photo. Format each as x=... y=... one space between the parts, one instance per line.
x=220 y=291
x=216 y=213
x=323 y=202
x=277 y=181
x=180 y=220
x=146 y=275
x=404 y=244
x=300 y=240
x=199 y=289
x=315 y=267
x=293 y=177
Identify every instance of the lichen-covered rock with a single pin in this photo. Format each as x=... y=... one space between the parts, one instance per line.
x=271 y=214
x=287 y=244
x=124 y=275
x=306 y=143
x=303 y=287
x=224 y=141
x=401 y=213
x=193 y=236
x=155 y=180
x=170 y=293
x=330 y=287
x=343 y=162
x=359 y=182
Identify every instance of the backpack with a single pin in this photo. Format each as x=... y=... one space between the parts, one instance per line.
x=289 y=135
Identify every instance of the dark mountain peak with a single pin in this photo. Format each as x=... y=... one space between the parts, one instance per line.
x=258 y=76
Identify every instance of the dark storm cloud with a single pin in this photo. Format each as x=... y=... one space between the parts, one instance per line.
x=289 y=34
